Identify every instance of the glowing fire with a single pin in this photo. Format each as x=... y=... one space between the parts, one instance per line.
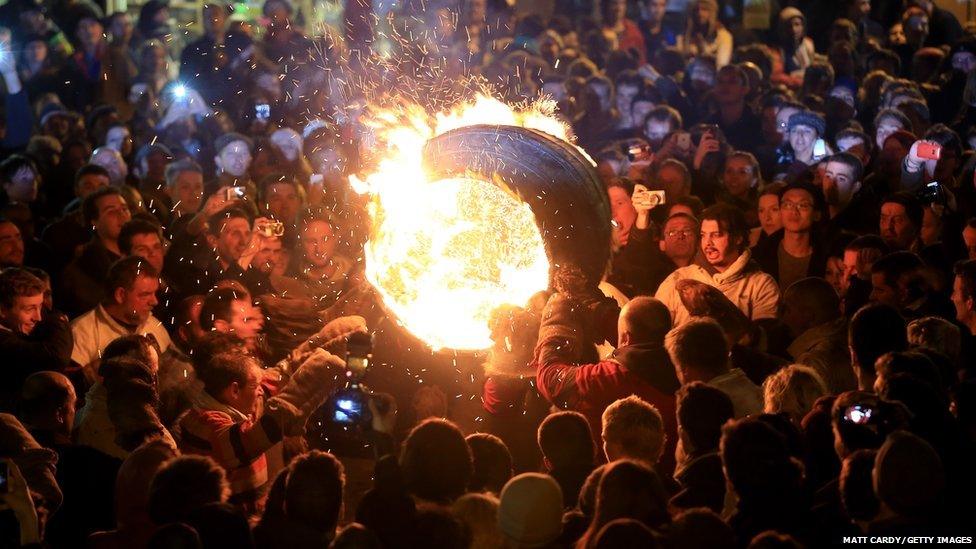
x=444 y=254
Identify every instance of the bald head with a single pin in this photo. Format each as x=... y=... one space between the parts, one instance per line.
x=643 y=320
x=47 y=401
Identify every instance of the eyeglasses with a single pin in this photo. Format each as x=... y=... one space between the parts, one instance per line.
x=682 y=233
x=796 y=206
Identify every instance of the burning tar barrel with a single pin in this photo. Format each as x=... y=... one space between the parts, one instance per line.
x=493 y=163
x=552 y=176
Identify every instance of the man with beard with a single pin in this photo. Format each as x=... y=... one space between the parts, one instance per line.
x=727 y=265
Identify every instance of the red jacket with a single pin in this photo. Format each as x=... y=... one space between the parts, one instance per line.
x=644 y=370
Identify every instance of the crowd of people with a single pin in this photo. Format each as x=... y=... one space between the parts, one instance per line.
x=780 y=353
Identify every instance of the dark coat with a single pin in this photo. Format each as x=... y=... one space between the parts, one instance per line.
x=766 y=253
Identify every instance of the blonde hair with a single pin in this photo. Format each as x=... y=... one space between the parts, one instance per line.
x=636 y=427
x=793 y=390
x=479 y=512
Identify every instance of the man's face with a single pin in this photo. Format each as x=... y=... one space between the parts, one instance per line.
x=717 y=245
x=834 y=274
x=214 y=21
x=855 y=146
x=656 y=130
x=283 y=202
x=187 y=191
x=248 y=393
x=931 y=230
x=882 y=292
x=137 y=304
x=155 y=165
x=113 y=212
x=269 y=256
x=232 y=241
x=969 y=239
x=121 y=27
x=802 y=139
x=234 y=159
x=797 y=208
x=672 y=180
x=964 y=62
x=24 y=314
x=680 y=239
x=964 y=305
x=149 y=247
x=782 y=122
x=622 y=208
x=625 y=94
x=897 y=229
x=23 y=186
x=738 y=176
x=843 y=177
x=319 y=243
x=640 y=110
x=886 y=127
x=90 y=183
x=770 y=216
x=615 y=12
x=11 y=245
x=89 y=32
x=246 y=320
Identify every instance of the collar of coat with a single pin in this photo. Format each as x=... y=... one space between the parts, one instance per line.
x=650 y=362
x=742 y=266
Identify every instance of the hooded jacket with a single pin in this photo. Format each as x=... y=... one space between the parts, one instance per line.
x=753 y=291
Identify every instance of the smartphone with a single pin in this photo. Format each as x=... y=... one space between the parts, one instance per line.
x=235 y=193
x=819 y=148
x=683 y=140
x=348 y=410
x=262 y=111
x=858 y=414
x=928 y=150
x=4 y=477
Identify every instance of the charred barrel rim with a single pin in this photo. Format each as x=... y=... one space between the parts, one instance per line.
x=559 y=184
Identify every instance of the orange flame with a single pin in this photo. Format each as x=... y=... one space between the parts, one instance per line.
x=444 y=254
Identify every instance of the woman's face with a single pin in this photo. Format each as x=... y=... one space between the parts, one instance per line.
x=739 y=176
x=835 y=273
x=769 y=217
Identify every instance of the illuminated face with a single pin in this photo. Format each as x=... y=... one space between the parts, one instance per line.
x=886 y=127
x=798 y=211
x=234 y=159
x=246 y=320
x=625 y=95
x=969 y=238
x=802 y=139
x=739 y=176
x=656 y=130
x=24 y=314
x=622 y=209
x=283 y=202
x=269 y=257
x=232 y=241
x=717 y=245
x=23 y=186
x=113 y=212
x=770 y=218
x=149 y=247
x=897 y=229
x=187 y=191
x=118 y=139
x=137 y=303
x=318 y=243
x=679 y=240
x=783 y=120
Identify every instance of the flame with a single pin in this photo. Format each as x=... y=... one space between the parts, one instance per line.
x=444 y=254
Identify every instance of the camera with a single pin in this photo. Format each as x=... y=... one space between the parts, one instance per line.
x=932 y=193
x=927 y=150
x=350 y=405
x=272 y=229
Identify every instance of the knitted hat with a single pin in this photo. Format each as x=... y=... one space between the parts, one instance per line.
x=809 y=119
x=229 y=138
x=908 y=474
x=530 y=510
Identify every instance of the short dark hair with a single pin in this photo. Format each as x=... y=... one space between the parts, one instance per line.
x=757 y=460
x=216 y=221
x=868 y=242
x=849 y=160
x=218 y=305
x=913 y=206
x=212 y=344
x=492 y=463
x=700 y=344
x=436 y=461
x=174 y=169
x=854 y=133
x=18 y=282
x=89 y=206
x=730 y=220
x=90 y=169
x=566 y=440
x=134 y=227
x=224 y=369
x=874 y=330
x=43 y=392
x=183 y=484
x=313 y=491
x=124 y=272
x=665 y=113
x=702 y=410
